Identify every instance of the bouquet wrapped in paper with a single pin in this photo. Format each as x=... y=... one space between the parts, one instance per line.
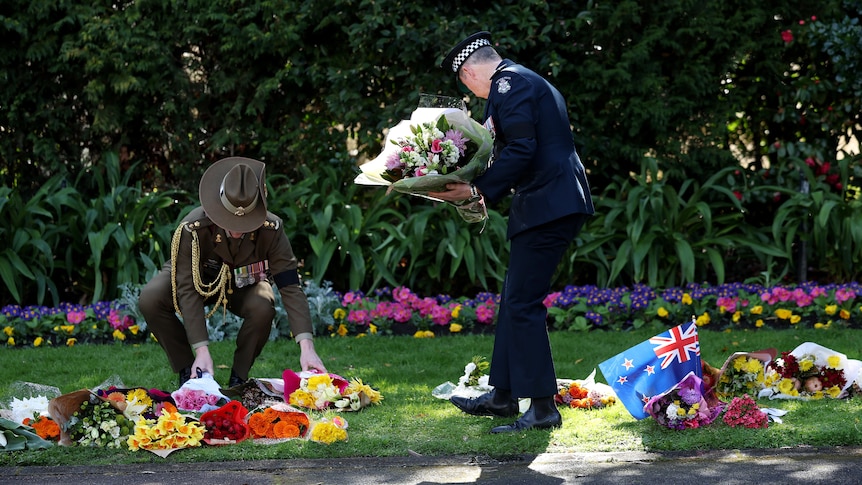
x=743 y=373
x=436 y=146
x=811 y=371
x=685 y=406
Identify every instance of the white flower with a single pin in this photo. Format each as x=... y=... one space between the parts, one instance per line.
x=28 y=408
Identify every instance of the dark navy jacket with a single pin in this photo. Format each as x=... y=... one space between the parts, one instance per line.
x=534 y=152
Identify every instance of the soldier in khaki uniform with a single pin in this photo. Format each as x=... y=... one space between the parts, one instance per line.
x=227 y=253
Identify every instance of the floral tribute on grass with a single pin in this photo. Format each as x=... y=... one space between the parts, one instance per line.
x=685 y=405
x=743 y=411
x=324 y=391
x=584 y=393
x=278 y=421
x=743 y=373
x=810 y=371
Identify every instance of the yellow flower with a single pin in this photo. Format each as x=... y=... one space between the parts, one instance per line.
x=342 y=330
x=10 y=341
x=423 y=334
x=141 y=396
x=756 y=310
x=8 y=331
x=702 y=320
x=831 y=309
x=38 y=341
x=328 y=433
x=67 y=328
x=736 y=316
x=754 y=366
x=686 y=299
x=844 y=314
x=833 y=361
x=119 y=335
x=372 y=328
x=361 y=335
x=821 y=325
x=795 y=319
x=834 y=391
x=806 y=364
x=662 y=312
x=456 y=311
x=785 y=386
x=739 y=363
x=758 y=323
x=70 y=342
x=783 y=313
x=134 y=329
x=455 y=328
x=339 y=314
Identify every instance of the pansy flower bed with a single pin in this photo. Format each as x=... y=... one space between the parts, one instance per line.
x=400 y=311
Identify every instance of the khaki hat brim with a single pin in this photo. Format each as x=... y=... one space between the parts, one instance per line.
x=208 y=192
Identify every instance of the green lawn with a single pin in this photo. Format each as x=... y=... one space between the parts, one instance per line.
x=410 y=420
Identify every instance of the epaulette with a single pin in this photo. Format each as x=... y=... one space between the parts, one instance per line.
x=196 y=224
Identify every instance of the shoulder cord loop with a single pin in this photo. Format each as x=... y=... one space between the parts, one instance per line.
x=206 y=290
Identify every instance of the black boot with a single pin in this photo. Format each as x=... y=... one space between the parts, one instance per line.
x=543 y=414
x=185 y=375
x=499 y=403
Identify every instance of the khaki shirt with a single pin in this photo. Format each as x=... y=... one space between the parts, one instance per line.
x=269 y=243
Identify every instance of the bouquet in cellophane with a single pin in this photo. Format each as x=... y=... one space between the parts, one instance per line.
x=436 y=146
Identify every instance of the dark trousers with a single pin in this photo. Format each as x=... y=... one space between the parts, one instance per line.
x=254 y=304
x=522 y=361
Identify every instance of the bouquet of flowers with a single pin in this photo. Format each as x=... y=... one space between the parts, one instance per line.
x=201 y=394
x=743 y=411
x=685 y=405
x=329 y=431
x=324 y=391
x=435 y=147
x=278 y=421
x=810 y=371
x=135 y=402
x=743 y=373
x=584 y=393
x=472 y=384
x=98 y=423
x=171 y=431
x=226 y=425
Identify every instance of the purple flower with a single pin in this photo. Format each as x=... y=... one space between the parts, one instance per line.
x=458 y=139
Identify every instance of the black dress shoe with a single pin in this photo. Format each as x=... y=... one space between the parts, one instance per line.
x=485 y=405
x=234 y=380
x=537 y=417
x=185 y=375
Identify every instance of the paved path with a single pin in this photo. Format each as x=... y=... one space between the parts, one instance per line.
x=786 y=466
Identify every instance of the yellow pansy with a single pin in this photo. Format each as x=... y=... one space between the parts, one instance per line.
x=10 y=341
x=844 y=314
x=372 y=328
x=662 y=312
x=38 y=341
x=134 y=329
x=756 y=310
x=795 y=319
x=455 y=328
x=702 y=320
x=783 y=313
x=758 y=323
x=456 y=311
x=70 y=342
x=119 y=335
x=686 y=299
x=736 y=316
x=831 y=309
x=8 y=331
x=342 y=330
x=339 y=314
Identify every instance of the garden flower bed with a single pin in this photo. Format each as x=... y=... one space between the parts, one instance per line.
x=400 y=311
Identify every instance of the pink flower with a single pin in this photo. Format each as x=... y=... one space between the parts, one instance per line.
x=787 y=36
x=485 y=313
x=551 y=299
x=441 y=315
x=435 y=146
x=359 y=317
x=119 y=322
x=76 y=316
x=844 y=294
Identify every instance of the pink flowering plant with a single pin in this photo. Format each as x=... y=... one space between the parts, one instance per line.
x=743 y=411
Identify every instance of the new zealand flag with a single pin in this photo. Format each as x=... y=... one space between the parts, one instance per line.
x=653 y=367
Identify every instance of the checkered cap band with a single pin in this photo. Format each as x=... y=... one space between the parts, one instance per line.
x=466 y=51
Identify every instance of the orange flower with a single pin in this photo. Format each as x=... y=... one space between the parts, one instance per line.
x=45 y=427
x=578 y=392
x=285 y=429
x=583 y=403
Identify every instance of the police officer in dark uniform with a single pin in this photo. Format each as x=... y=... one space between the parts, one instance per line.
x=535 y=161
x=227 y=253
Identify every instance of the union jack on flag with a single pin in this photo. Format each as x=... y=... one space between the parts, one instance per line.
x=653 y=367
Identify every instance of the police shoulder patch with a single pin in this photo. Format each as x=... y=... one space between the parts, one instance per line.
x=503 y=85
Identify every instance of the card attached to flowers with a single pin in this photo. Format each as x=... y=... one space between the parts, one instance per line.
x=436 y=146
x=810 y=371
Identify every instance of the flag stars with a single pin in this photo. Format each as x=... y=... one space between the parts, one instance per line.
x=650 y=370
x=628 y=364
x=622 y=380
